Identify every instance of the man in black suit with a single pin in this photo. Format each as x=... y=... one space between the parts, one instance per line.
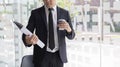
x=44 y=21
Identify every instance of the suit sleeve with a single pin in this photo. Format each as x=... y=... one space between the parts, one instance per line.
x=70 y=35
x=30 y=27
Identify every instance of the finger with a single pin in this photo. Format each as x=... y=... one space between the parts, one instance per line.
x=66 y=24
x=61 y=23
x=35 y=39
x=61 y=26
x=32 y=39
x=27 y=36
x=32 y=36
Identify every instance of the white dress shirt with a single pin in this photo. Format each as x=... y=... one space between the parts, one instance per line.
x=54 y=14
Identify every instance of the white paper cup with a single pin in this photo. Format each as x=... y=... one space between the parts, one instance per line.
x=61 y=20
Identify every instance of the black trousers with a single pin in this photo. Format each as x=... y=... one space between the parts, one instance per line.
x=51 y=60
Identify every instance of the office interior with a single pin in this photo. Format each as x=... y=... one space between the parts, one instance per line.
x=96 y=24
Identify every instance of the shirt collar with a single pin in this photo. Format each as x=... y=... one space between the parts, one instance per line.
x=54 y=8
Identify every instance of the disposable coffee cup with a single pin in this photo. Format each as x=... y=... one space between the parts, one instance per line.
x=60 y=21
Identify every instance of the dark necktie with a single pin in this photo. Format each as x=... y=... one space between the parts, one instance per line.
x=51 y=30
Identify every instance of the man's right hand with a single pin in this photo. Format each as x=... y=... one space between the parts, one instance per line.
x=31 y=40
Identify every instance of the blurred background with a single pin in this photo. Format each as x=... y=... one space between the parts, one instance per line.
x=96 y=23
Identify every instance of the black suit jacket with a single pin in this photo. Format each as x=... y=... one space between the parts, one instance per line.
x=38 y=22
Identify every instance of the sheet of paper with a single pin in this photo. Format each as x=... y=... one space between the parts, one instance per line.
x=27 y=32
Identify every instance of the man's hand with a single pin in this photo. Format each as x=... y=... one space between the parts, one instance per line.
x=65 y=25
x=31 y=40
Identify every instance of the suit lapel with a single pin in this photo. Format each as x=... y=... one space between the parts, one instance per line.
x=58 y=14
x=58 y=17
x=44 y=15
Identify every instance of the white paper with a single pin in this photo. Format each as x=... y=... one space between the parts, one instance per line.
x=27 y=32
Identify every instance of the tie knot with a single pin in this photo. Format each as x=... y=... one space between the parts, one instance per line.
x=50 y=9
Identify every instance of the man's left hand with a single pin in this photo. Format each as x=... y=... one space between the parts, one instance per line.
x=65 y=25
